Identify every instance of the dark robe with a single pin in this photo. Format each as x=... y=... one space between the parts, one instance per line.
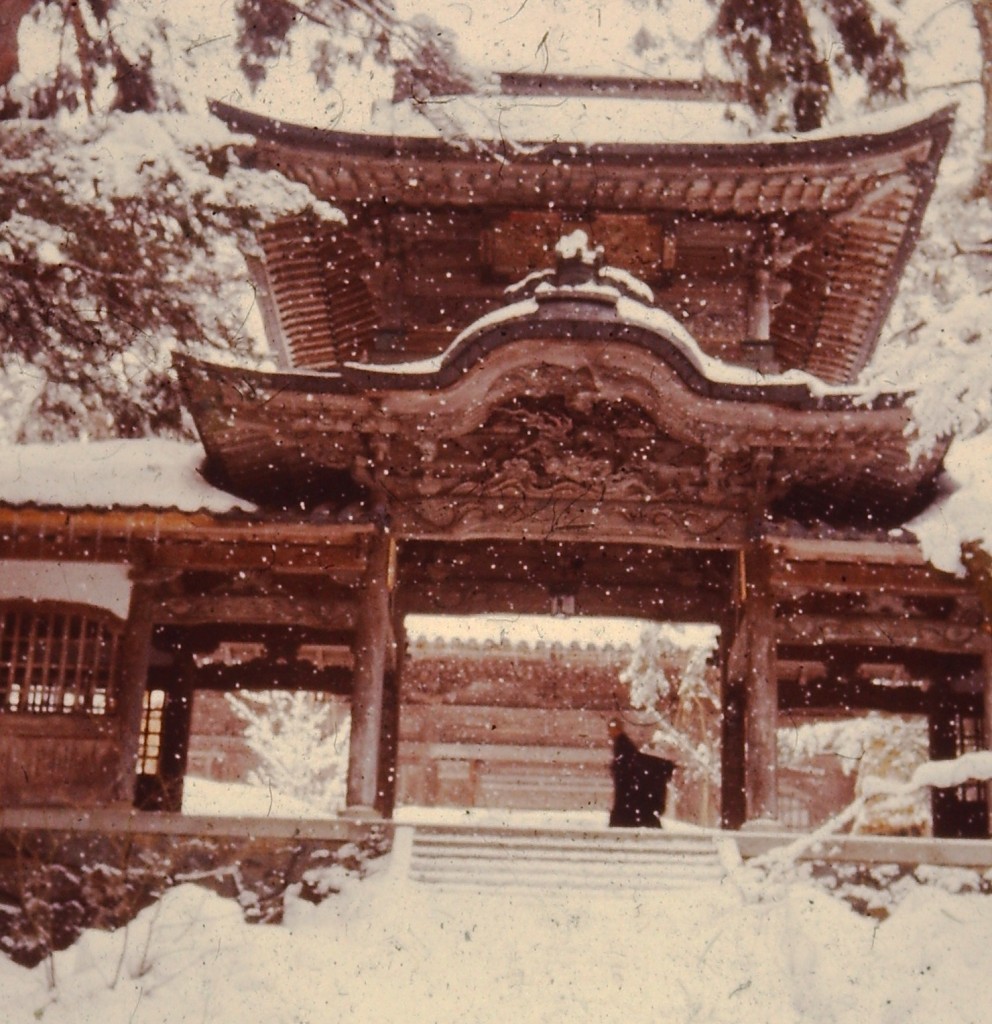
x=640 y=785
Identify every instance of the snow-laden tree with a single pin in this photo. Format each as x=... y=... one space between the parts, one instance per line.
x=674 y=685
x=301 y=743
x=125 y=214
x=793 y=55
x=882 y=751
x=796 y=60
x=937 y=344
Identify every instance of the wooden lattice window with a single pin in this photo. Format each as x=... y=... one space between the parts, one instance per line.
x=57 y=658
x=150 y=744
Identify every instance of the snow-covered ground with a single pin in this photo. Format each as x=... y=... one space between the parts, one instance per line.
x=388 y=950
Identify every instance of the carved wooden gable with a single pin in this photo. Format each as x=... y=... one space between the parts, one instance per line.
x=579 y=410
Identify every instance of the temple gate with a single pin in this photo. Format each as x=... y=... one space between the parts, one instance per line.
x=613 y=377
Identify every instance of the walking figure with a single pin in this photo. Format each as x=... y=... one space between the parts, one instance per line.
x=640 y=783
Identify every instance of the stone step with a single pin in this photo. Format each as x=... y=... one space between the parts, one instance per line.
x=530 y=858
x=436 y=870
x=564 y=855
x=585 y=883
x=579 y=848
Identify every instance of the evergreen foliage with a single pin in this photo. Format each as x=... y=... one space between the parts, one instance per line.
x=676 y=687
x=301 y=743
x=790 y=52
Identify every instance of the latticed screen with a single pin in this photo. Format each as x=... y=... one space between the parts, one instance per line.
x=57 y=658
x=150 y=747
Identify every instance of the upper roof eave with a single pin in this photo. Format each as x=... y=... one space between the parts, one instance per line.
x=824 y=146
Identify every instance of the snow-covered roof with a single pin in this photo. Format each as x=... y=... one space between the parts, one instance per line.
x=147 y=473
x=530 y=632
x=585 y=120
x=526 y=125
x=535 y=120
x=633 y=303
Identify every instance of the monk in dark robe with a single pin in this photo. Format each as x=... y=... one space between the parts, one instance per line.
x=640 y=783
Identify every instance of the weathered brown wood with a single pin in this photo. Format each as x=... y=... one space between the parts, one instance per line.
x=761 y=689
x=877 y=630
x=373 y=636
x=57 y=760
x=135 y=659
x=864 y=576
x=270 y=674
x=261 y=610
x=987 y=717
x=185 y=540
x=843 y=696
x=837 y=195
x=392 y=699
x=733 y=743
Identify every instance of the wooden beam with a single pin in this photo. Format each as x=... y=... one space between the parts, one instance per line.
x=791 y=578
x=845 y=695
x=685 y=526
x=474 y=596
x=268 y=674
x=282 y=639
x=278 y=554
x=182 y=540
x=808 y=549
x=262 y=610
x=887 y=631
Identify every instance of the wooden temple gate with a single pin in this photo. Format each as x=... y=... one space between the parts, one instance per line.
x=637 y=448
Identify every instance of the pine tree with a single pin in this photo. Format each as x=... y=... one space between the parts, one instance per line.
x=675 y=686
x=301 y=743
x=125 y=214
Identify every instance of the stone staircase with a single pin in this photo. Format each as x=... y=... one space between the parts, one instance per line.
x=530 y=858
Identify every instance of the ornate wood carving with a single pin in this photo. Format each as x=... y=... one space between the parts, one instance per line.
x=241 y=609
x=870 y=630
x=557 y=467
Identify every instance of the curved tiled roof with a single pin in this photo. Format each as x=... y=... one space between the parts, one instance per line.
x=845 y=209
x=568 y=351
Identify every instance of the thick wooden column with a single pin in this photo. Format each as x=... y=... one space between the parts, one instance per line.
x=135 y=656
x=372 y=643
x=177 y=716
x=943 y=746
x=733 y=796
x=389 y=752
x=987 y=719
x=761 y=689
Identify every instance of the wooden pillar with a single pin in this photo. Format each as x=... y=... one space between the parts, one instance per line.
x=372 y=641
x=943 y=746
x=388 y=766
x=987 y=720
x=177 y=718
x=761 y=689
x=733 y=800
x=135 y=656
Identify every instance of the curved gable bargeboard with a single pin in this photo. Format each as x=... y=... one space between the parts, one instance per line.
x=520 y=421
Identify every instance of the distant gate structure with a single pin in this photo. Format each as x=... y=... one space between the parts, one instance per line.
x=611 y=377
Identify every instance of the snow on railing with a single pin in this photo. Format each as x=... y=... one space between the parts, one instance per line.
x=971 y=767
